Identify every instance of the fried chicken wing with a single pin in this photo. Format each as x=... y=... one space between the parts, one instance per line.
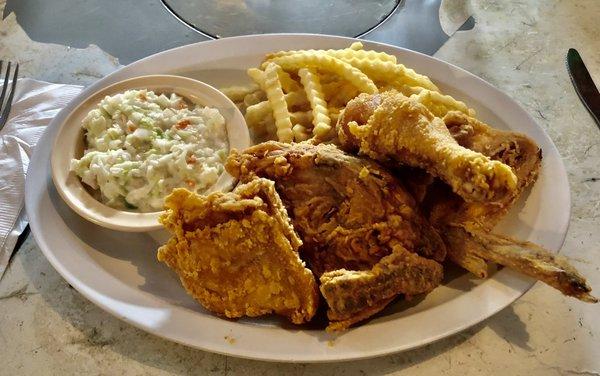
x=236 y=253
x=350 y=213
x=527 y=258
x=401 y=129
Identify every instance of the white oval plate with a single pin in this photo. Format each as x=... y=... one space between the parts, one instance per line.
x=119 y=272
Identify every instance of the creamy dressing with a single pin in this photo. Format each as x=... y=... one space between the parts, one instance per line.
x=140 y=145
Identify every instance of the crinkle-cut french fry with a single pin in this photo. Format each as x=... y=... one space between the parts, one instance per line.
x=314 y=93
x=354 y=51
x=254 y=98
x=390 y=72
x=440 y=104
x=342 y=96
x=383 y=87
x=322 y=131
x=331 y=88
x=404 y=89
x=334 y=113
x=327 y=63
x=269 y=82
x=364 y=54
x=237 y=93
x=258 y=76
x=293 y=98
x=287 y=82
x=276 y=98
x=296 y=98
x=410 y=90
x=303 y=118
x=256 y=113
x=300 y=133
x=356 y=46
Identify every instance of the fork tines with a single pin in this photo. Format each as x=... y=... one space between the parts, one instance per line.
x=6 y=96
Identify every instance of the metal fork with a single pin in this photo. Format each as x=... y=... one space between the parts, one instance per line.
x=6 y=101
x=6 y=98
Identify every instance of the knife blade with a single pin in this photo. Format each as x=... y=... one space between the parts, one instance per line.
x=583 y=83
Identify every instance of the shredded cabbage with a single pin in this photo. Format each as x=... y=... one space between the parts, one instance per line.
x=140 y=146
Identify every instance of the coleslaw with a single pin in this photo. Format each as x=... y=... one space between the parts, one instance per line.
x=140 y=145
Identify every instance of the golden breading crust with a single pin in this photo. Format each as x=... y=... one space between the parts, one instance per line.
x=516 y=150
x=363 y=233
x=527 y=258
x=236 y=253
x=402 y=130
x=447 y=209
x=355 y=295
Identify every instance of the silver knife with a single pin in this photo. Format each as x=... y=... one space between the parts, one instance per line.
x=584 y=85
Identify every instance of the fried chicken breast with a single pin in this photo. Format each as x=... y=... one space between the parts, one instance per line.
x=353 y=216
x=392 y=127
x=236 y=253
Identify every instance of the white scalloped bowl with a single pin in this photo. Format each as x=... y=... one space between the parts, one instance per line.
x=69 y=144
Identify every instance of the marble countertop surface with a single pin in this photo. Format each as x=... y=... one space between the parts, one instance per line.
x=519 y=46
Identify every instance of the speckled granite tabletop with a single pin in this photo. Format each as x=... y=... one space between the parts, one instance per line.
x=47 y=328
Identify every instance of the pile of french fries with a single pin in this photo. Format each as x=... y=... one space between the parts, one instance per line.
x=299 y=95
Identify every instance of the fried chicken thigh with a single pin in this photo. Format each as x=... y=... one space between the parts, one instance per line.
x=392 y=127
x=236 y=253
x=363 y=234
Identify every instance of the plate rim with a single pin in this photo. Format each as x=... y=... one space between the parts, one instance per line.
x=91 y=295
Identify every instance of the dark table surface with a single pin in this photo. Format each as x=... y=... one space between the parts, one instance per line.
x=132 y=29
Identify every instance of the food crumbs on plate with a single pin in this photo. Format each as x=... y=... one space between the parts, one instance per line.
x=229 y=339
x=331 y=342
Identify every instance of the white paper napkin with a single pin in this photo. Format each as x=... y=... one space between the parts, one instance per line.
x=35 y=103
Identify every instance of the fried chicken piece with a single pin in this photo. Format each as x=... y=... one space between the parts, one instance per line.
x=527 y=258
x=472 y=246
x=236 y=253
x=452 y=214
x=445 y=208
x=514 y=149
x=401 y=129
x=467 y=226
x=348 y=292
x=349 y=212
